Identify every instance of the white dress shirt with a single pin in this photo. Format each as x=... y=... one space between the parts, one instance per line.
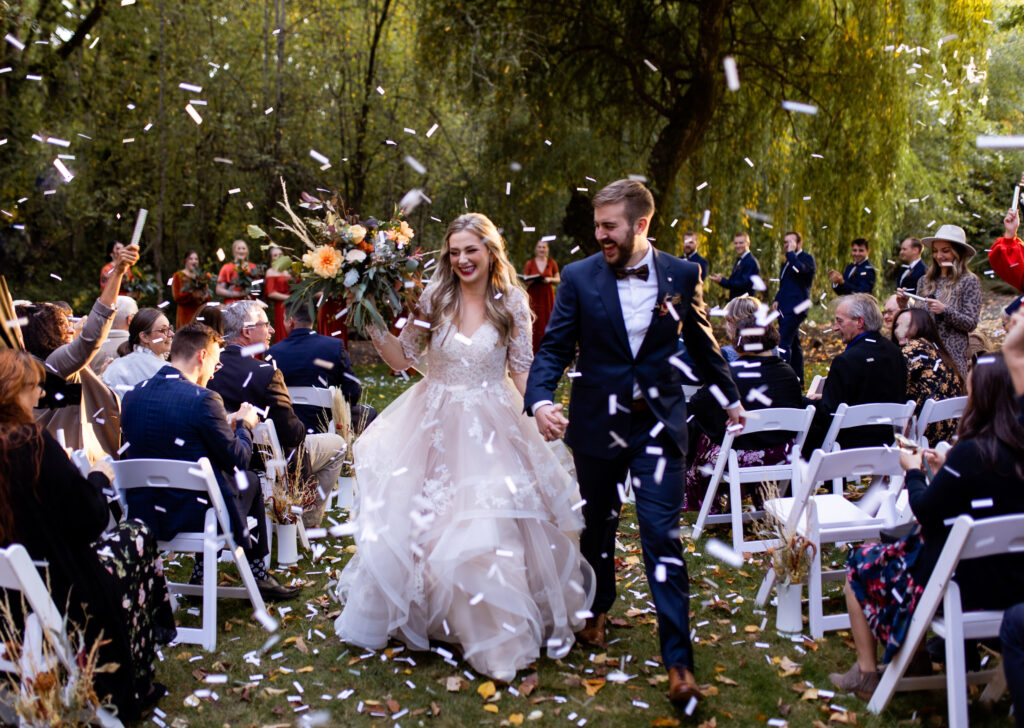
x=637 y=299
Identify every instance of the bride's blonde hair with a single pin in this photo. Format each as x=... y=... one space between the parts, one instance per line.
x=446 y=296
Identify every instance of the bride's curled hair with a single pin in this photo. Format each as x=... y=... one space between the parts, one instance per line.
x=446 y=290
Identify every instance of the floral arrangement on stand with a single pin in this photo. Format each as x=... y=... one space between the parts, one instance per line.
x=370 y=264
x=290 y=491
x=792 y=558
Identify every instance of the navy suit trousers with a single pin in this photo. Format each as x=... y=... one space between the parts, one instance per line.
x=658 y=502
x=790 y=350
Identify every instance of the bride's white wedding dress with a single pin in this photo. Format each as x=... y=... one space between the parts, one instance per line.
x=467 y=522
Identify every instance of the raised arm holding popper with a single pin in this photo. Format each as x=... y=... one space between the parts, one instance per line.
x=1007 y=253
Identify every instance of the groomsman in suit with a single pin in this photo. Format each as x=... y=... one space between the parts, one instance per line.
x=740 y=281
x=859 y=276
x=172 y=416
x=913 y=266
x=795 y=282
x=690 y=243
x=623 y=309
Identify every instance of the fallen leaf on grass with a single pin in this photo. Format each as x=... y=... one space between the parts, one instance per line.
x=658 y=722
x=713 y=723
x=491 y=708
x=811 y=694
x=708 y=691
x=751 y=628
x=307 y=668
x=658 y=679
x=393 y=705
x=788 y=668
x=486 y=690
x=849 y=718
x=725 y=680
x=516 y=719
x=435 y=709
x=619 y=622
x=593 y=685
x=529 y=684
x=453 y=684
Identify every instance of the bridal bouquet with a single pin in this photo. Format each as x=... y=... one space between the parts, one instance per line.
x=371 y=264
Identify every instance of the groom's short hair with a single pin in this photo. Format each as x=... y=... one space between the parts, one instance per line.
x=639 y=200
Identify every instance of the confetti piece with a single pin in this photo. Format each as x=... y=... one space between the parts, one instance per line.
x=650 y=65
x=190 y=87
x=191 y=111
x=14 y=42
x=415 y=164
x=799 y=108
x=997 y=142
x=319 y=157
x=431 y=130
x=732 y=79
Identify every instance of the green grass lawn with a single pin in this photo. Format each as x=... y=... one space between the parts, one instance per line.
x=304 y=671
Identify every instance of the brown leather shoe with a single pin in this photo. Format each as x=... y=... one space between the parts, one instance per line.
x=682 y=689
x=593 y=634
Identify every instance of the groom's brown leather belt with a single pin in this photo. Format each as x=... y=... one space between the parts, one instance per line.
x=639 y=405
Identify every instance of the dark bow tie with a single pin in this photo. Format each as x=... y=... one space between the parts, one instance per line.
x=640 y=272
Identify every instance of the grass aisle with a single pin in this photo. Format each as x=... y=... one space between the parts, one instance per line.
x=749 y=674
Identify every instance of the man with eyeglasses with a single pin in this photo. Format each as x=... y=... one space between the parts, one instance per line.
x=244 y=378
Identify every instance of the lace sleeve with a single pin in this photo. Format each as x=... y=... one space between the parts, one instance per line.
x=520 y=347
x=414 y=334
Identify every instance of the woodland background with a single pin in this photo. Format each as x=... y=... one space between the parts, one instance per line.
x=537 y=103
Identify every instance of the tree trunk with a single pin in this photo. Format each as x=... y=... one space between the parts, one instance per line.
x=361 y=156
x=158 y=242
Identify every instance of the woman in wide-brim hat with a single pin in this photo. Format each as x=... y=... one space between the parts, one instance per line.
x=952 y=292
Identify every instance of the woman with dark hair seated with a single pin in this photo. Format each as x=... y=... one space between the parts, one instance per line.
x=110 y=586
x=210 y=314
x=931 y=371
x=979 y=477
x=764 y=380
x=144 y=354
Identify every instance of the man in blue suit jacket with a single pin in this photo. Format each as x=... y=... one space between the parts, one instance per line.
x=690 y=242
x=913 y=267
x=624 y=310
x=859 y=276
x=309 y=359
x=741 y=281
x=795 y=281
x=173 y=417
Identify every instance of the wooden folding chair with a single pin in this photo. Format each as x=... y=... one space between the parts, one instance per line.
x=42 y=622
x=968 y=539
x=199 y=478
x=836 y=519
x=774 y=419
x=938 y=410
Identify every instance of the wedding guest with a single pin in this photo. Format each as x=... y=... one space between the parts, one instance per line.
x=931 y=372
x=227 y=280
x=870 y=369
x=1006 y=256
x=777 y=384
x=191 y=290
x=858 y=276
x=952 y=291
x=114 y=251
x=980 y=477
x=123 y=315
x=104 y=583
x=889 y=311
x=795 y=280
x=276 y=289
x=309 y=359
x=913 y=266
x=78 y=406
x=145 y=352
x=690 y=244
x=172 y=416
x=740 y=281
x=210 y=315
x=738 y=308
x=243 y=378
x=540 y=274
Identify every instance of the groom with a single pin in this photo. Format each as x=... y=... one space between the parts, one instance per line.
x=625 y=309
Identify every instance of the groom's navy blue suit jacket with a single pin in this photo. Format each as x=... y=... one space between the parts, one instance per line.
x=587 y=313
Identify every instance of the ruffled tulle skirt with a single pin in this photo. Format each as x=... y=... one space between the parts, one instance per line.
x=467 y=531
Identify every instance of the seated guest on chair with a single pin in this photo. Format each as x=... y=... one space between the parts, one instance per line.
x=870 y=369
x=980 y=477
x=890 y=308
x=143 y=354
x=309 y=359
x=173 y=417
x=110 y=583
x=859 y=276
x=736 y=310
x=756 y=368
x=123 y=315
x=740 y=281
x=243 y=378
x=931 y=371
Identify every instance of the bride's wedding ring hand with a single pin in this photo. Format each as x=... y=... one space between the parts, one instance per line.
x=550 y=422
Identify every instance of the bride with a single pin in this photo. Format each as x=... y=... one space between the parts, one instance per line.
x=467 y=522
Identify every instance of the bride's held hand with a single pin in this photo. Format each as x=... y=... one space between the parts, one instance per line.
x=550 y=421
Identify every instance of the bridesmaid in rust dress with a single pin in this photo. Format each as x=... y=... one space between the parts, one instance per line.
x=540 y=274
x=276 y=289
x=188 y=294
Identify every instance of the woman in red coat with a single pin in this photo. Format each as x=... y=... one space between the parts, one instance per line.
x=276 y=289
x=541 y=275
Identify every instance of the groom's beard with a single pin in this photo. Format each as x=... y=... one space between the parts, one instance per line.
x=623 y=251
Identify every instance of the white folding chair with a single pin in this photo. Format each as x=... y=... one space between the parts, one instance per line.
x=938 y=410
x=836 y=519
x=197 y=477
x=968 y=539
x=896 y=414
x=43 y=622
x=774 y=419
x=314 y=397
x=265 y=435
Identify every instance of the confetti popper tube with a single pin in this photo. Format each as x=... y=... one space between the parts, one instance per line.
x=140 y=222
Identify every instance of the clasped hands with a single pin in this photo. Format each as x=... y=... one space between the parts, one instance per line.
x=552 y=423
x=246 y=415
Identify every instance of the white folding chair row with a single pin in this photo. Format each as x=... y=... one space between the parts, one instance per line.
x=315 y=397
x=938 y=411
x=265 y=435
x=43 y=622
x=216 y=536
x=834 y=519
x=898 y=415
x=774 y=419
x=968 y=539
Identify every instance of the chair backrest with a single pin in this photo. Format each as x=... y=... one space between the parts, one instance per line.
x=937 y=410
x=778 y=419
x=176 y=475
x=895 y=414
x=265 y=435
x=312 y=396
x=18 y=573
x=824 y=467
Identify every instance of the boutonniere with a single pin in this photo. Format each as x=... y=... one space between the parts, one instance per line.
x=668 y=306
